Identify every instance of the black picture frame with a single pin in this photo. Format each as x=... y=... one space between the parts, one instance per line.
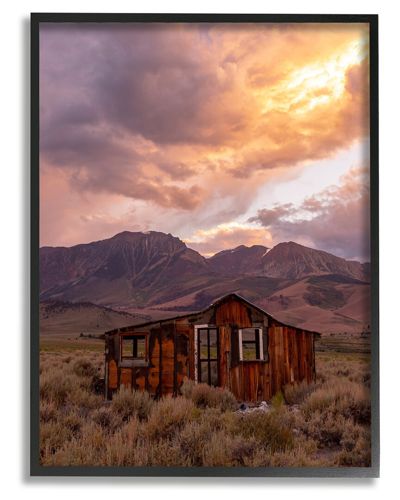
x=342 y=472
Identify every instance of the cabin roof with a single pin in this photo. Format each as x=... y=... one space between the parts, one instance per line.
x=214 y=304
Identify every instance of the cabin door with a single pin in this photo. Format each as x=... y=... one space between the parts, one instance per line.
x=207 y=356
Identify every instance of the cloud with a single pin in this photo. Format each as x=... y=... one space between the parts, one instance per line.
x=240 y=99
x=227 y=236
x=335 y=220
x=190 y=120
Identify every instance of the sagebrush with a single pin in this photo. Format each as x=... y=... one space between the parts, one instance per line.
x=309 y=425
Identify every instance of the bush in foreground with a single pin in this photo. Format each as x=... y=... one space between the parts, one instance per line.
x=328 y=426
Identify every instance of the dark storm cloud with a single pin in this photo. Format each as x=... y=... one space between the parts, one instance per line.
x=103 y=89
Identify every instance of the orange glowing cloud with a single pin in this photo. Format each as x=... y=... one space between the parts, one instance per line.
x=226 y=236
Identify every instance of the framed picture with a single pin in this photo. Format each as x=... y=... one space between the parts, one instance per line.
x=204 y=245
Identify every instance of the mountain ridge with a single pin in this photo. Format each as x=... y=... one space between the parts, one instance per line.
x=153 y=271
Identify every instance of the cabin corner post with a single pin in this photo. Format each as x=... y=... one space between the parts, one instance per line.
x=175 y=381
x=195 y=352
x=106 y=352
x=315 y=368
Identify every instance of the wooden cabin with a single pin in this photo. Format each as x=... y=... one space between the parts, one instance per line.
x=232 y=344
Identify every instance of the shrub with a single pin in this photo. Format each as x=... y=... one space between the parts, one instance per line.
x=199 y=429
x=120 y=447
x=167 y=417
x=127 y=402
x=297 y=394
x=278 y=400
x=192 y=439
x=47 y=411
x=341 y=397
x=325 y=428
x=105 y=417
x=243 y=450
x=187 y=388
x=54 y=388
x=166 y=454
x=72 y=422
x=353 y=436
x=201 y=395
x=273 y=429
x=217 y=451
x=318 y=402
x=83 y=398
x=222 y=399
x=83 y=367
x=356 y=455
x=52 y=437
x=296 y=457
x=205 y=396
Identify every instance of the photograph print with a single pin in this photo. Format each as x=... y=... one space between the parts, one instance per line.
x=204 y=281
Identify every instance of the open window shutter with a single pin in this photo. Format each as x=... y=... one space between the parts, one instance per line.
x=265 y=343
x=234 y=343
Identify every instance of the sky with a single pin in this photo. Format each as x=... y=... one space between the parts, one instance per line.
x=222 y=135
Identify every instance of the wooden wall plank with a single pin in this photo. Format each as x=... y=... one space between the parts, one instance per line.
x=235 y=381
x=181 y=358
x=286 y=356
x=112 y=374
x=126 y=377
x=191 y=352
x=279 y=360
x=154 y=369
x=272 y=364
x=224 y=356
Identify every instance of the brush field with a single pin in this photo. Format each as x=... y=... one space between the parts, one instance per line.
x=326 y=424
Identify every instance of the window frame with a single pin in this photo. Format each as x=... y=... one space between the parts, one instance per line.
x=259 y=344
x=131 y=336
x=207 y=360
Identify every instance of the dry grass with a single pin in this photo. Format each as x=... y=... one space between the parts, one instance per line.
x=322 y=424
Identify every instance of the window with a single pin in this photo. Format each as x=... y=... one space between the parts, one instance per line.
x=134 y=346
x=208 y=355
x=250 y=344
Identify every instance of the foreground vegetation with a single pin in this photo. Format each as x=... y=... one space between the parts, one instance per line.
x=322 y=424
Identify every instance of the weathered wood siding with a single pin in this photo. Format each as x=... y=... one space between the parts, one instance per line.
x=233 y=313
x=288 y=354
x=168 y=363
x=223 y=366
x=292 y=356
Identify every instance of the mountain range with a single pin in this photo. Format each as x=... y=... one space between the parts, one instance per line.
x=156 y=273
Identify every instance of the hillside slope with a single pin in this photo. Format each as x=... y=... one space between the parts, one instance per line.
x=59 y=318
